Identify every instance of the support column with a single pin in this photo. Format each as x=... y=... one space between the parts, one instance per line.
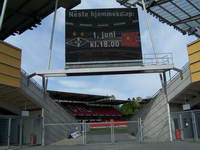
x=9 y=131
x=21 y=132
x=194 y=126
x=43 y=128
x=164 y=86
x=181 y=126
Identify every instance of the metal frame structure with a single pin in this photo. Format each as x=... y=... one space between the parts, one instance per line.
x=183 y=15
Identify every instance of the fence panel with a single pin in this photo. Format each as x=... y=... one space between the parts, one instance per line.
x=15 y=130
x=64 y=134
x=186 y=125
x=98 y=133
x=92 y=133
x=126 y=131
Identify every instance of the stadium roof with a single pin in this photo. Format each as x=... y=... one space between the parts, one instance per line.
x=91 y=99
x=21 y=15
x=183 y=15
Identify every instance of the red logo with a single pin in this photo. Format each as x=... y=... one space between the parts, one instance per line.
x=130 y=39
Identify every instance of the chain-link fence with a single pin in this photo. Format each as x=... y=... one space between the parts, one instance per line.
x=186 y=125
x=15 y=131
x=94 y=133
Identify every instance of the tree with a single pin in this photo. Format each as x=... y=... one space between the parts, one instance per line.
x=130 y=108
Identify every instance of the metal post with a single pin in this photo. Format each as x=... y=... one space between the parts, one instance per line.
x=51 y=40
x=83 y=131
x=3 y=13
x=21 y=132
x=194 y=127
x=169 y=123
x=9 y=131
x=112 y=132
x=52 y=35
x=149 y=29
x=113 y=128
x=141 y=130
x=181 y=126
x=43 y=128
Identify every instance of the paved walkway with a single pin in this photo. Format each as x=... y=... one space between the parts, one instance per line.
x=152 y=146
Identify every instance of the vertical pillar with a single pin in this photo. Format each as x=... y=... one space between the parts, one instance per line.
x=9 y=131
x=112 y=132
x=141 y=130
x=21 y=132
x=181 y=126
x=169 y=123
x=83 y=131
x=43 y=128
x=164 y=86
x=194 y=126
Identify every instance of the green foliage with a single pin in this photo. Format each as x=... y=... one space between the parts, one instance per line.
x=130 y=108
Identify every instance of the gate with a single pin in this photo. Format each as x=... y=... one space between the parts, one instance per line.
x=94 y=133
x=186 y=125
x=15 y=131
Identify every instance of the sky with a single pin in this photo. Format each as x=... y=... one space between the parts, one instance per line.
x=35 y=48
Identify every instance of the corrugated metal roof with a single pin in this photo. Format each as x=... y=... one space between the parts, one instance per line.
x=21 y=15
x=183 y=15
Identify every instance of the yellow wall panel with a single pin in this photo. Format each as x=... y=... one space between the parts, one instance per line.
x=7 y=80
x=10 y=65
x=7 y=70
x=194 y=57
x=10 y=50
x=195 y=46
x=196 y=77
x=195 y=67
x=5 y=59
x=194 y=60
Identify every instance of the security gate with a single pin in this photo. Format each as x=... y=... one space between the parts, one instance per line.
x=186 y=125
x=16 y=130
x=93 y=133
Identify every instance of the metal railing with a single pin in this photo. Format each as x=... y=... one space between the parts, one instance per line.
x=173 y=79
x=160 y=59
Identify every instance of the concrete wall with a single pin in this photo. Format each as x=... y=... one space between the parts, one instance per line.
x=155 y=119
x=155 y=114
x=178 y=85
x=54 y=113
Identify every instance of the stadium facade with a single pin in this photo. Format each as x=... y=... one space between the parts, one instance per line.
x=25 y=106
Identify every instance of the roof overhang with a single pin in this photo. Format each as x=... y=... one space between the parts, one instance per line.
x=21 y=15
x=84 y=98
x=183 y=15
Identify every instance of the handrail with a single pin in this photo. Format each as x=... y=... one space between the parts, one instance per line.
x=174 y=78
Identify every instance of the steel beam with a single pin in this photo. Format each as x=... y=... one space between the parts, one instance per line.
x=106 y=71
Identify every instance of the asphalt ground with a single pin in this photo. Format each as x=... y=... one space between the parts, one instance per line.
x=130 y=146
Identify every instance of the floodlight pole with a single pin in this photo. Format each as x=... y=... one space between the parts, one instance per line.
x=3 y=13
x=52 y=35
x=51 y=40
x=149 y=30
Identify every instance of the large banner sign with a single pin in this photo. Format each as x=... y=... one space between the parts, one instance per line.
x=102 y=35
